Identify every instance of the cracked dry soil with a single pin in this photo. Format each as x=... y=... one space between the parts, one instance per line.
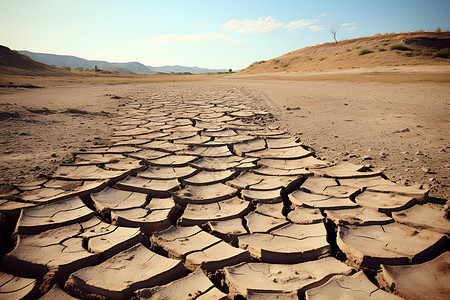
x=193 y=191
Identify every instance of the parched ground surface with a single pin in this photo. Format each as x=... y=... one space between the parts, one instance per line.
x=204 y=190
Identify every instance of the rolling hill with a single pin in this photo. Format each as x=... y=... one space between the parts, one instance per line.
x=75 y=62
x=379 y=50
x=14 y=63
x=193 y=70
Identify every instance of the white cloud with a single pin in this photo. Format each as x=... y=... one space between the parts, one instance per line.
x=236 y=42
x=347 y=24
x=300 y=23
x=202 y=37
x=252 y=26
x=322 y=15
x=318 y=28
x=350 y=28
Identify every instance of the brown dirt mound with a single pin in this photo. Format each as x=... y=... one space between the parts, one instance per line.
x=418 y=48
x=14 y=63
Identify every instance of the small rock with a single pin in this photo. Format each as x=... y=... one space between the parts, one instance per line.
x=383 y=154
x=402 y=130
x=53 y=155
x=419 y=152
x=426 y=170
x=366 y=157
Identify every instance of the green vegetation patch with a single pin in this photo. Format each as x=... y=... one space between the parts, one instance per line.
x=364 y=52
x=444 y=53
x=400 y=47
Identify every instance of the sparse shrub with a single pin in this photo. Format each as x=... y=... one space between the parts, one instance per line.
x=66 y=68
x=78 y=69
x=444 y=53
x=357 y=47
x=349 y=50
x=322 y=58
x=285 y=65
x=87 y=69
x=364 y=52
x=276 y=61
x=438 y=30
x=400 y=47
x=420 y=31
x=381 y=49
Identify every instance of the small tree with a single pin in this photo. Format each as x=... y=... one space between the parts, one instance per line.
x=66 y=68
x=230 y=70
x=333 y=30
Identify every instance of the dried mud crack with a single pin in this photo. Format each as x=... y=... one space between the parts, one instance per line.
x=198 y=195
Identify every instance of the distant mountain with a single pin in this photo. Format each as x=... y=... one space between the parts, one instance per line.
x=75 y=62
x=193 y=70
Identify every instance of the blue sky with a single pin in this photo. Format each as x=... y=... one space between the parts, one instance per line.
x=214 y=34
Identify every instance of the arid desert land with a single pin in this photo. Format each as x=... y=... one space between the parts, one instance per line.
x=291 y=185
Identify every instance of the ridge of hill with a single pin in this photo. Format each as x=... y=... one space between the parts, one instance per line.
x=137 y=67
x=75 y=62
x=379 y=50
x=193 y=70
x=15 y=63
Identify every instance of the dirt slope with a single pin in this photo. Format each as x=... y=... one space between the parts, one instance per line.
x=420 y=48
x=14 y=63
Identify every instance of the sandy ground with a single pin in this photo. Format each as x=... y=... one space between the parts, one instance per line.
x=402 y=128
